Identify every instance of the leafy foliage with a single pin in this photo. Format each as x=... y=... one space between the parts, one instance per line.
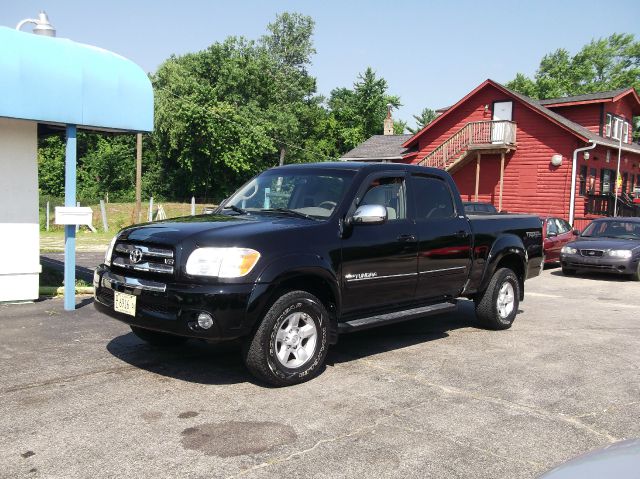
x=426 y=116
x=222 y=115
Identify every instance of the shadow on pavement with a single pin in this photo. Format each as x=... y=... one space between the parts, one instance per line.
x=401 y=335
x=594 y=276
x=221 y=363
x=194 y=361
x=82 y=272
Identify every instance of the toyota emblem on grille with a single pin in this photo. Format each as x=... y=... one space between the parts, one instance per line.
x=135 y=255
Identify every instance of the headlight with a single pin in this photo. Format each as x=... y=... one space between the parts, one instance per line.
x=222 y=262
x=619 y=253
x=568 y=250
x=107 y=255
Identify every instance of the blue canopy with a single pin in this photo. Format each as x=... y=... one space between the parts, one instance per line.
x=56 y=80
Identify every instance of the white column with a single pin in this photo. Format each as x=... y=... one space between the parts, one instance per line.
x=19 y=222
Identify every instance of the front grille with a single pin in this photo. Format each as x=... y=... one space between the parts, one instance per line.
x=143 y=258
x=592 y=253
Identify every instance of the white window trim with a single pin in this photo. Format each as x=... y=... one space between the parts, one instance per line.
x=607 y=131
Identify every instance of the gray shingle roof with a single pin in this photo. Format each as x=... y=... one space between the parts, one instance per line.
x=379 y=147
x=601 y=95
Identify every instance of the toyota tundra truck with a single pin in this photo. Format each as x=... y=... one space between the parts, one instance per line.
x=304 y=253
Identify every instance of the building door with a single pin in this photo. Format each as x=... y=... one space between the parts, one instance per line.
x=502 y=111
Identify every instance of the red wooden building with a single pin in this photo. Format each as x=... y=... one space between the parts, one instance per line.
x=517 y=153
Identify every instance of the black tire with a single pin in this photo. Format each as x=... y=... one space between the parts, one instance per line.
x=487 y=303
x=260 y=350
x=156 y=338
x=568 y=271
x=635 y=276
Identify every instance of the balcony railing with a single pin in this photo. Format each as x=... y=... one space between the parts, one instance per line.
x=473 y=135
x=603 y=204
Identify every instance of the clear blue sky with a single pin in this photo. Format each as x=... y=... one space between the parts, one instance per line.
x=431 y=53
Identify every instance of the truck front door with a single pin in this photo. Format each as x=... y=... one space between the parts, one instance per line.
x=444 y=239
x=379 y=262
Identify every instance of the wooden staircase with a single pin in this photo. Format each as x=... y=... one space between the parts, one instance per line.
x=476 y=136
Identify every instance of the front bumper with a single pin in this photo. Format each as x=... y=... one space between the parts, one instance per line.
x=605 y=264
x=174 y=307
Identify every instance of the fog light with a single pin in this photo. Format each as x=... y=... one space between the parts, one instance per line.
x=205 y=321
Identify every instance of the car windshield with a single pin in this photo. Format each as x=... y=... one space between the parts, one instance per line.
x=613 y=229
x=303 y=193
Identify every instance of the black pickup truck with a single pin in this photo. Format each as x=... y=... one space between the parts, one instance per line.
x=303 y=253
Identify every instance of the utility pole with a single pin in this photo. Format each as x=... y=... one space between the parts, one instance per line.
x=615 y=201
x=138 y=208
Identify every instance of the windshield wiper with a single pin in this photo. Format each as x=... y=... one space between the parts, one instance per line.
x=288 y=211
x=235 y=208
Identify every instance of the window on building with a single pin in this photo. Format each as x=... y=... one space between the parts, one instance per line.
x=625 y=133
x=616 y=131
x=592 y=180
x=606 y=178
x=433 y=198
x=583 y=180
x=607 y=130
x=625 y=179
x=631 y=183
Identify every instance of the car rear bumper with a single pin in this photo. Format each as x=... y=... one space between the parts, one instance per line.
x=602 y=264
x=173 y=308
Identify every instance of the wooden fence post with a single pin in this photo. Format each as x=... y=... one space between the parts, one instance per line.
x=47 y=216
x=151 y=209
x=193 y=206
x=103 y=210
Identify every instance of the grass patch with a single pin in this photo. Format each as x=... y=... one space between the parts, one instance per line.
x=54 y=278
x=119 y=215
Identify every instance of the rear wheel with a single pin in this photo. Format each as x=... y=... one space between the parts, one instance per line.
x=290 y=344
x=156 y=338
x=497 y=307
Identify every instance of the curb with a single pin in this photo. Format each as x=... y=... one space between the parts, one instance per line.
x=59 y=291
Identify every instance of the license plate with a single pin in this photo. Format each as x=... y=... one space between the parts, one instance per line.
x=124 y=303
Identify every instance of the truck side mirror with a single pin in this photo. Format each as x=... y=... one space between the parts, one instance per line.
x=370 y=215
x=576 y=232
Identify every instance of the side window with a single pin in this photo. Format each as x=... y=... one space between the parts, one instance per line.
x=432 y=198
x=389 y=192
x=552 y=228
x=561 y=226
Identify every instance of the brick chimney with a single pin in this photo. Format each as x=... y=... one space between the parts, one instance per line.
x=388 y=121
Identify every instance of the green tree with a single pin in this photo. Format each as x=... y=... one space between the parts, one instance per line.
x=51 y=154
x=358 y=113
x=426 y=116
x=602 y=64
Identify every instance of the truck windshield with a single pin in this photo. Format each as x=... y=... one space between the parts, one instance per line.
x=301 y=193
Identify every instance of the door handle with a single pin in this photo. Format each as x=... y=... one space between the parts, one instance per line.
x=406 y=238
x=462 y=234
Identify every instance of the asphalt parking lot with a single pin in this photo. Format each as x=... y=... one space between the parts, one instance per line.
x=438 y=397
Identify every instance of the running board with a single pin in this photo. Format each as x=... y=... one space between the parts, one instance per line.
x=389 y=318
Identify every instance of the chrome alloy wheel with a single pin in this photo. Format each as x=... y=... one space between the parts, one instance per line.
x=506 y=300
x=296 y=340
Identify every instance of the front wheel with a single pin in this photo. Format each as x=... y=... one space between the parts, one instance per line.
x=290 y=344
x=498 y=305
x=636 y=276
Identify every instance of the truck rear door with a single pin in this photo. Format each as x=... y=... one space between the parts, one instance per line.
x=444 y=238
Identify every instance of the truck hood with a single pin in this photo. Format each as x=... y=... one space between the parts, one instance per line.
x=207 y=229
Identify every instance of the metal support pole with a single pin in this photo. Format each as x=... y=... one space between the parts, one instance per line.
x=615 y=201
x=501 y=181
x=70 y=230
x=138 y=208
x=103 y=211
x=193 y=206
x=477 y=176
